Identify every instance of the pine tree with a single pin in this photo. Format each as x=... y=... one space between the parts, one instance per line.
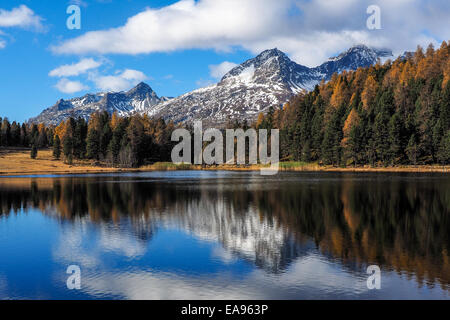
x=331 y=146
x=445 y=108
x=93 y=144
x=316 y=135
x=115 y=143
x=68 y=149
x=56 y=147
x=412 y=150
x=444 y=150
x=136 y=141
x=354 y=149
x=15 y=134
x=395 y=139
x=350 y=136
x=34 y=134
x=24 y=141
x=34 y=151
x=79 y=138
x=105 y=138
x=5 y=132
x=42 y=137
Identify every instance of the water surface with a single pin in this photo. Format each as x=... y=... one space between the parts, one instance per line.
x=225 y=235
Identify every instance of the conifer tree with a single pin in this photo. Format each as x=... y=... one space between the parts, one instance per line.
x=412 y=150
x=444 y=149
x=57 y=148
x=34 y=151
x=93 y=144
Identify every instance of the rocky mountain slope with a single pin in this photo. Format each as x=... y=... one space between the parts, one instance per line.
x=268 y=80
x=138 y=99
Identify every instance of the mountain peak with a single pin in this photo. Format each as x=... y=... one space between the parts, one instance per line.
x=141 y=87
x=141 y=91
x=258 y=69
x=364 y=52
x=267 y=54
x=357 y=56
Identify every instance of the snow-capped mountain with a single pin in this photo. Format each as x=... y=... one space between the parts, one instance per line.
x=268 y=80
x=138 y=99
x=352 y=59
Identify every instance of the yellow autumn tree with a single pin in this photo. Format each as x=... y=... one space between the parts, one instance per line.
x=60 y=130
x=360 y=78
x=94 y=122
x=339 y=94
x=446 y=74
x=393 y=75
x=115 y=120
x=369 y=93
x=351 y=121
x=408 y=72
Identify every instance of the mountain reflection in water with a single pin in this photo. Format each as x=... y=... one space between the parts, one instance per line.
x=401 y=222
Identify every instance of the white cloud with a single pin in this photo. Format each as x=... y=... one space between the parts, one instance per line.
x=217 y=71
x=308 y=30
x=75 y=69
x=22 y=17
x=2 y=44
x=120 y=82
x=186 y=24
x=66 y=86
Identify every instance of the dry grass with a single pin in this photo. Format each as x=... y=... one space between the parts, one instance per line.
x=18 y=162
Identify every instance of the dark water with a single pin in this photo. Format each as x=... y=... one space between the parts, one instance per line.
x=225 y=235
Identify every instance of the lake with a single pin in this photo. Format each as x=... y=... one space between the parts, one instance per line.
x=225 y=235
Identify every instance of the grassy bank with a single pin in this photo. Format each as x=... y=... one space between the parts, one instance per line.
x=16 y=161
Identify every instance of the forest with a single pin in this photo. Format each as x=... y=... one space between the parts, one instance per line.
x=396 y=113
x=112 y=140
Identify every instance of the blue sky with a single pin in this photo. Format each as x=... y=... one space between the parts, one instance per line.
x=178 y=46
x=26 y=61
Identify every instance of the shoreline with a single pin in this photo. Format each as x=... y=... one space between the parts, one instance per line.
x=78 y=170
x=15 y=162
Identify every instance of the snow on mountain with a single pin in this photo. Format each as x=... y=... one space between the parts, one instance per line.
x=139 y=99
x=352 y=59
x=268 y=80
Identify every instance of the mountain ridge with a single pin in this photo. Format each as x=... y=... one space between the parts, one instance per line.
x=267 y=80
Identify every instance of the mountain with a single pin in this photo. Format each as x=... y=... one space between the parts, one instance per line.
x=138 y=99
x=268 y=80
x=352 y=59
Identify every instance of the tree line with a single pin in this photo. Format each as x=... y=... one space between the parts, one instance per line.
x=117 y=141
x=388 y=114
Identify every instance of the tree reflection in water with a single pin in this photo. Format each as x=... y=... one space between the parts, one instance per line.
x=401 y=223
